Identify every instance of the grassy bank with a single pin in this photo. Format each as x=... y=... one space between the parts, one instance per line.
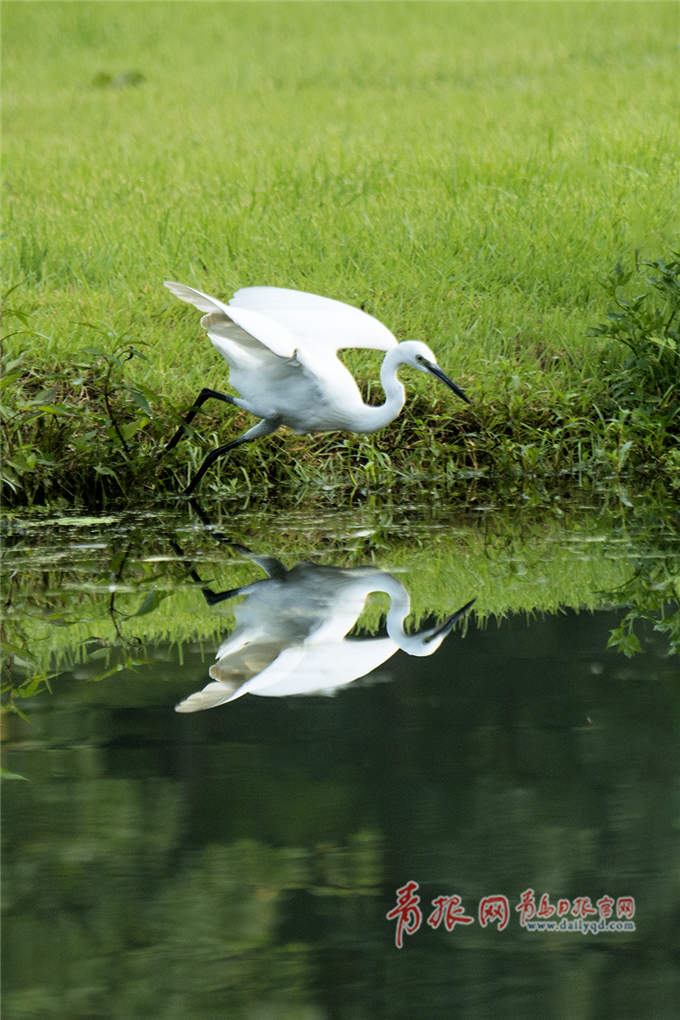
x=466 y=172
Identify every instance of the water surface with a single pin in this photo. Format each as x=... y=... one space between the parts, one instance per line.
x=240 y=858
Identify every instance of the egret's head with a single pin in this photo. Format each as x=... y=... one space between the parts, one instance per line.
x=419 y=355
x=426 y=642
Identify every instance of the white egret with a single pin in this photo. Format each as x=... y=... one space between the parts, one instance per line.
x=281 y=346
x=291 y=633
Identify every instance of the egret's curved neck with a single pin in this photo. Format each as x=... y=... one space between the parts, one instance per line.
x=400 y=607
x=423 y=643
x=378 y=417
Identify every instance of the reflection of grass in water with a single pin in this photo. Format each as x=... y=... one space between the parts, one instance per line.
x=64 y=615
x=470 y=195
x=652 y=583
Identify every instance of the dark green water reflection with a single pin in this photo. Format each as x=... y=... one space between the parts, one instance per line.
x=240 y=861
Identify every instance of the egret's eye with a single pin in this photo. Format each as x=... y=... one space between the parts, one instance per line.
x=420 y=358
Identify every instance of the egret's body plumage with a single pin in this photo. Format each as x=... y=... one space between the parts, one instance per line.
x=281 y=346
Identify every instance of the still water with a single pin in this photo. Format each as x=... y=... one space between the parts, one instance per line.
x=242 y=741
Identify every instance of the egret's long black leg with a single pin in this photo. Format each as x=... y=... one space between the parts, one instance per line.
x=210 y=596
x=204 y=395
x=263 y=428
x=210 y=459
x=271 y=566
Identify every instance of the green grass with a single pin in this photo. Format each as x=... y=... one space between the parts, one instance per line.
x=466 y=172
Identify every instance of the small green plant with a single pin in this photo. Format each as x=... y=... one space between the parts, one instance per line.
x=646 y=387
x=68 y=431
x=653 y=596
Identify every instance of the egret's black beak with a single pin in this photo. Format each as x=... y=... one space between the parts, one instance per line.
x=436 y=370
x=448 y=625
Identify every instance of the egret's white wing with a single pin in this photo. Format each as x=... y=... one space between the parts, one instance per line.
x=214 y=694
x=282 y=666
x=254 y=332
x=320 y=322
x=197 y=298
x=238 y=326
x=246 y=662
x=326 y=668
x=250 y=671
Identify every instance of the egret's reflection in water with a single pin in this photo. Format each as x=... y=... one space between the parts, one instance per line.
x=291 y=633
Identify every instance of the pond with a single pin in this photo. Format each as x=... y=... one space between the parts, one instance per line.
x=250 y=754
